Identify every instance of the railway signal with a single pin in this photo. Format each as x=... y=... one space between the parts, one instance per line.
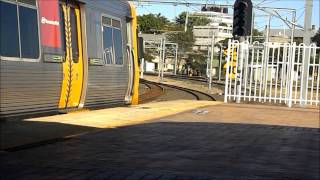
x=233 y=63
x=242 y=17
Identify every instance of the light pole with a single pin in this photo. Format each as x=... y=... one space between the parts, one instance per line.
x=306 y=41
x=268 y=29
x=220 y=62
x=141 y=68
x=175 y=60
x=163 y=58
x=211 y=58
x=160 y=60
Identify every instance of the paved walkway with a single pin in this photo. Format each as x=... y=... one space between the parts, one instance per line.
x=225 y=141
x=37 y=130
x=251 y=114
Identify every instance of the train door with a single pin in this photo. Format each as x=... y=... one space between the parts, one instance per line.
x=134 y=89
x=73 y=61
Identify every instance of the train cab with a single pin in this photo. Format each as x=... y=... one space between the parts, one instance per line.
x=61 y=55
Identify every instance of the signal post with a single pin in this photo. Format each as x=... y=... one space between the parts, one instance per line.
x=242 y=22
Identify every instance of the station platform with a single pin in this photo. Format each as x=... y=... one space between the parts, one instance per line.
x=23 y=133
x=183 y=139
x=28 y=132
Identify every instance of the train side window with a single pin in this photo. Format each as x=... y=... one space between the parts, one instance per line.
x=106 y=21
x=62 y=30
x=19 y=29
x=117 y=38
x=116 y=23
x=112 y=41
x=29 y=35
x=107 y=45
x=9 y=35
x=30 y=2
x=74 y=35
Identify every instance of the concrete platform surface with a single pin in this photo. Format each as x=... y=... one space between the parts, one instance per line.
x=224 y=142
x=251 y=114
x=28 y=131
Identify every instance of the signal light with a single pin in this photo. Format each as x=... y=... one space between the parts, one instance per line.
x=242 y=18
x=204 y=8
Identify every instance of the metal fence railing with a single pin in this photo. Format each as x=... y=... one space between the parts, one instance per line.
x=273 y=72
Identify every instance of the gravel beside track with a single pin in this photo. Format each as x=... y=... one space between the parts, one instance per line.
x=172 y=92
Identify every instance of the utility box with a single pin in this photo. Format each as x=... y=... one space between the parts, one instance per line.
x=149 y=67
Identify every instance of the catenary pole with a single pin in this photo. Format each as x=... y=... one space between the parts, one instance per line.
x=160 y=60
x=293 y=26
x=306 y=41
x=211 y=58
x=163 y=58
x=176 y=60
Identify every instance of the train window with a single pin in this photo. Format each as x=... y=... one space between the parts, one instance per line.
x=30 y=2
x=115 y=23
x=107 y=45
x=112 y=41
x=106 y=21
x=19 y=29
x=9 y=35
x=74 y=35
x=63 y=39
x=28 y=33
x=117 y=38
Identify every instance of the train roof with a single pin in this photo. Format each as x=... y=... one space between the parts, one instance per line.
x=120 y=7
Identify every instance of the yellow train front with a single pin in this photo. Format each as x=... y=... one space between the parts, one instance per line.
x=62 y=55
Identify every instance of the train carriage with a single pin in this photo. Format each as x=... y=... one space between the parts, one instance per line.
x=60 y=55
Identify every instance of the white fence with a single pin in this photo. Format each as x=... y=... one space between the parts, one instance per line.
x=273 y=72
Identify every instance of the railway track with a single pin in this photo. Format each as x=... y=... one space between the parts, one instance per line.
x=153 y=91
x=154 y=86
x=205 y=80
x=193 y=78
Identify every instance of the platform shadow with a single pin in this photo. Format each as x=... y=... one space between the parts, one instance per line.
x=193 y=149
x=21 y=134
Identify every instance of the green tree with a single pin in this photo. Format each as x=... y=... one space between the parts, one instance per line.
x=192 y=21
x=152 y=23
x=224 y=42
x=196 y=62
x=316 y=38
x=298 y=40
x=185 y=40
x=256 y=33
x=148 y=56
x=223 y=24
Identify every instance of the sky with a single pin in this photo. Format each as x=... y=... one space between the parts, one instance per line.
x=171 y=11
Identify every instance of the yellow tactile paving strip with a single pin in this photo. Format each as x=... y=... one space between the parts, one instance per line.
x=121 y=116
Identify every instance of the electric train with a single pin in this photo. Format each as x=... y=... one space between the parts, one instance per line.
x=61 y=55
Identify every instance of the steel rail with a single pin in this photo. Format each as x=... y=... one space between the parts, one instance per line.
x=190 y=91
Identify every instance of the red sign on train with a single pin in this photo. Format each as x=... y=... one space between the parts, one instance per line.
x=49 y=23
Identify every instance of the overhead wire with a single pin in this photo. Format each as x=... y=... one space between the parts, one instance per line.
x=268 y=2
x=300 y=16
x=142 y=6
x=190 y=6
x=260 y=2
